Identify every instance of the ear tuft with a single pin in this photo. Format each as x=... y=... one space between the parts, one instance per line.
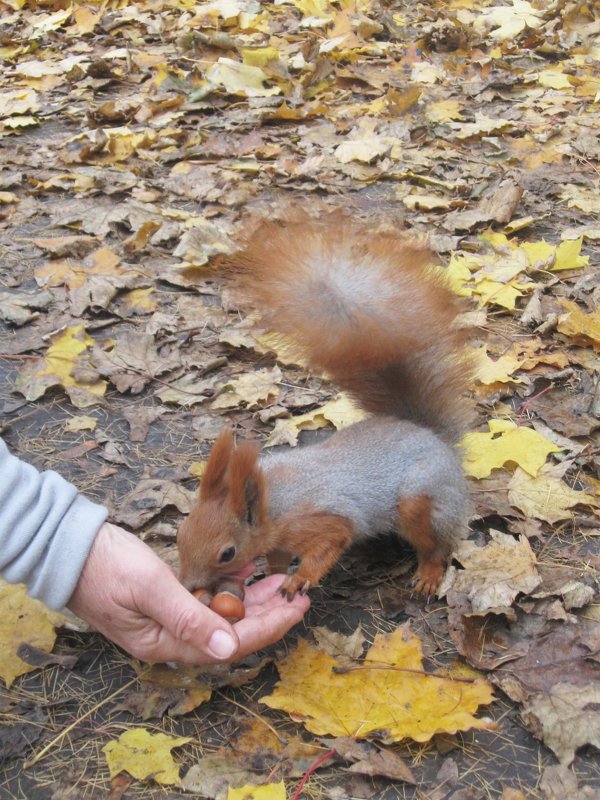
x=213 y=481
x=247 y=483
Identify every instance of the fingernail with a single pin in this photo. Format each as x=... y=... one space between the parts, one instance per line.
x=221 y=644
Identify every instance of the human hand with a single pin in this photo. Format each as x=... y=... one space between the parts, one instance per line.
x=127 y=593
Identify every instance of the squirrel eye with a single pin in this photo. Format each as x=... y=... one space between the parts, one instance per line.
x=227 y=555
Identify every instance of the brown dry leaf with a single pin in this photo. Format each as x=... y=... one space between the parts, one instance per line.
x=384 y=763
x=133 y=362
x=495 y=574
x=566 y=718
x=388 y=696
x=21 y=307
x=214 y=775
x=148 y=499
x=546 y=497
x=559 y=782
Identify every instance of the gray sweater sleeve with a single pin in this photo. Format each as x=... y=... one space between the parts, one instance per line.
x=46 y=530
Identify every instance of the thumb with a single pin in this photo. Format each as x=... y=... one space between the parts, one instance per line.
x=191 y=632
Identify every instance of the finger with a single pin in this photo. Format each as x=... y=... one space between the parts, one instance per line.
x=260 y=630
x=189 y=626
x=263 y=590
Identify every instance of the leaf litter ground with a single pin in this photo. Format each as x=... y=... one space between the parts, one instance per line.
x=137 y=143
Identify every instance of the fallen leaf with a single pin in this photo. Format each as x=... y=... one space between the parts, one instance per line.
x=386 y=764
x=268 y=791
x=546 y=497
x=505 y=444
x=22 y=307
x=506 y=22
x=148 y=499
x=57 y=368
x=565 y=718
x=241 y=79
x=492 y=576
x=582 y=328
x=341 y=412
x=23 y=621
x=133 y=362
x=213 y=776
x=81 y=423
x=251 y=389
x=490 y=371
x=383 y=697
x=144 y=755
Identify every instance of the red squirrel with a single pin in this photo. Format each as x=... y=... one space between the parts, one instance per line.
x=373 y=315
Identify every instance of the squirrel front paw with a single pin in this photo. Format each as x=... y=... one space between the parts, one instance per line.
x=292 y=584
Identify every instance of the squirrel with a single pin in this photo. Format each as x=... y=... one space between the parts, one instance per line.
x=373 y=315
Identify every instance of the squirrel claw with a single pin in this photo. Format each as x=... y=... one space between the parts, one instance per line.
x=427 y=580
x=293 y=584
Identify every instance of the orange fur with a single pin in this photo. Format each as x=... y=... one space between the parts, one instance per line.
x=415 y=526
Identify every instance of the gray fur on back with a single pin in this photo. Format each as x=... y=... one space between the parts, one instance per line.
x=398 y=460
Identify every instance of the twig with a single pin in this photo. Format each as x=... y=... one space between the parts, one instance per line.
x=310 y=771
x=344 y=670
x=531 y=399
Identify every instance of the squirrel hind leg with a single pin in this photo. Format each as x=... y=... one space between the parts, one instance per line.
x=415 y=527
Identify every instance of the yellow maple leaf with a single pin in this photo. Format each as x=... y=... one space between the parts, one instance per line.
x=269 y=791
x=83 y=422
x=251 y=389
x=143 y=754
x=241 y=79
x=23 y=621
x=56 y=367
x=458 y=274
x=491 y=371
x=505 y=22
x=554 y=78
x=505 y=444
x=582 y=328
x=341 y=412
x=501 y=294
x=260 y=56
x=541 y=255
x=85 y=20
x=138 y=301
x=389 y=696
x=444 y=111
x=74 y=274
x=545 y=497
x=568 y=255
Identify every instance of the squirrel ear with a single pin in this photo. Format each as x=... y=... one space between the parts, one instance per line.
x=247 y=483
x=213 y=481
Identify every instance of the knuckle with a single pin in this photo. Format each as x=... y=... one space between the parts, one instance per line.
x=188 y=626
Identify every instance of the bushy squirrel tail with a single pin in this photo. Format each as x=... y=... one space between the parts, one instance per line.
x=369 y=311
